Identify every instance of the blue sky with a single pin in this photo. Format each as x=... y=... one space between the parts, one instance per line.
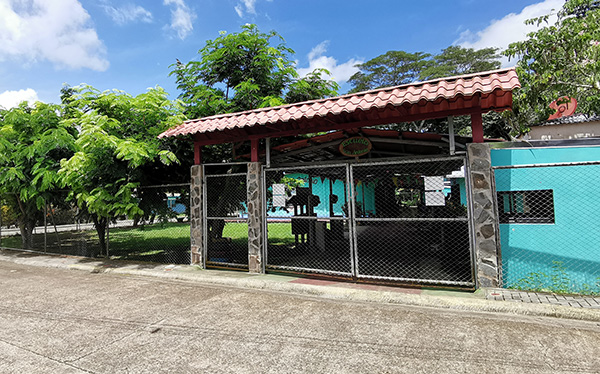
x=129 y=44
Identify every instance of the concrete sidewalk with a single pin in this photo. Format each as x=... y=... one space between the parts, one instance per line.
x=575 y=301
x=483 y=300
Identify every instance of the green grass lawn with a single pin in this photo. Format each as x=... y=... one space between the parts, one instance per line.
x=169 y=242
x=280 y=233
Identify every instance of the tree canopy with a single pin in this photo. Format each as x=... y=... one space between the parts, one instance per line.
x=457 y=60
x=559 y=60
x=116 y=149
x=33 y=140
x=399 y=67
x=394 y=68
x=245 y=70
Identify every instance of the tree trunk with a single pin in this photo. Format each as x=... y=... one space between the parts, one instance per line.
x=55 y=229
x=26 y=223
x=100 y=225
x=26 y=227
x=215 y=228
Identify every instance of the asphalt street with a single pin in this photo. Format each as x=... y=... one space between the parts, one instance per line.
x=69 y=321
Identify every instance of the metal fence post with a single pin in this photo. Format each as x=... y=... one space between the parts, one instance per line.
x=352 y=236
x=45 y=226
x=107 y=236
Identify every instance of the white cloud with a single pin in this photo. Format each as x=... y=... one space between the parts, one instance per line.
x=339 y=72
x=239 y=10
x=11 y=99
x=53 y=30
x=248 y=5
x=127 y=13
x=500 y=33
x=182 y=18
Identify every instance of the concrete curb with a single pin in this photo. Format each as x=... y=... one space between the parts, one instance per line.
x=473 y=302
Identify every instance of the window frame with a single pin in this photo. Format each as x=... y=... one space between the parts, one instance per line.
x=524 y=206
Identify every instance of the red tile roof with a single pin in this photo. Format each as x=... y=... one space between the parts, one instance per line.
x=464 y=94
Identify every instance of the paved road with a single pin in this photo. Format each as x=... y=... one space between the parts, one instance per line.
x=67 y=321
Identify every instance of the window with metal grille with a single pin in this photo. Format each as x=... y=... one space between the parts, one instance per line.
x=536 y=206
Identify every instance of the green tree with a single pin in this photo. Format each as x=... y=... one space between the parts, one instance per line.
x=561 y=59
x=117 y=150
x=33 y=140
x=398 y=67
x=312 y=86
x=392 y=68
x=242 y=71
x=237 y=72
x=457 y=60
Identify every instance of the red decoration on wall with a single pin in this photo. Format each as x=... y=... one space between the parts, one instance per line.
x=564 y=106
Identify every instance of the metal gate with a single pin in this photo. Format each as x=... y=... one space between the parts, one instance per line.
x=307 y=223
x=398 y=221
x=411 y=221
x=225 y=218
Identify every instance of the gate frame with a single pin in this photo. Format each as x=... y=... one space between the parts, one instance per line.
x=351 y=219
x=281 y=167
x=204 y=215
x=468 y=219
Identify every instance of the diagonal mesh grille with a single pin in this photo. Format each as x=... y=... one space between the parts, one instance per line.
x=411 y=221
x=160 y=232
x=226 y=224
x=307 y=223
x=549 y=227
x=407 y=221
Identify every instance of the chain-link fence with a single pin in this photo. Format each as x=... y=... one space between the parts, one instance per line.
x=411 y=221
x=161 y=234
x=226 y=216
x=550 y=227
x=407 y=221
x=308 y=227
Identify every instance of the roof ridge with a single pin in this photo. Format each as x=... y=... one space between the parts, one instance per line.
x=361 y=93
x=363 y=106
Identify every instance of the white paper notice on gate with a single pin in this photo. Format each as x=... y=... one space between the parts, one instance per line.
x=279 y=189
x=434 y=183
x=435 y=198
x=279 y=195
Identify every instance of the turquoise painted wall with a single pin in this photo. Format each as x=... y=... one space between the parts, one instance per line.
x=463 y=190
x=565 y=254
x=365 y=194
x=320 y=188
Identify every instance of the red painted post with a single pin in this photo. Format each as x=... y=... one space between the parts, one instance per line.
x=254 y=144
x=477 y=127
x=197 y=153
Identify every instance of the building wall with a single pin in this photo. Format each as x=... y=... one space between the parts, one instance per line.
x=566 y=131
x=571 y=245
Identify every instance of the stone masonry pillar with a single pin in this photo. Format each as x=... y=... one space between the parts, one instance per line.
x=196 y=213
x=485 y=220
x=255 y=217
